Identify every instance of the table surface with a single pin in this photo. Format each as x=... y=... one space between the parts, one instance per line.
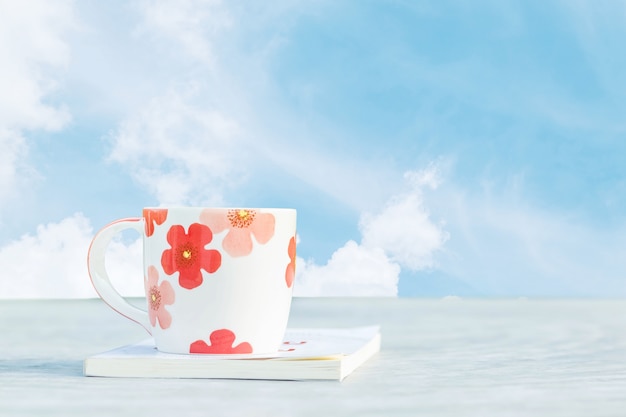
x=445 y=357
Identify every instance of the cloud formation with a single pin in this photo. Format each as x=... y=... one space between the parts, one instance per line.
x=52 y=263
x=404 y=228
x=189 y=23
x=201 y=96
x=179 y=151
x=504 y=244
x=182 y=144
x=32 y=49
x=14 y=150
x=353 y=270
x=402 y=234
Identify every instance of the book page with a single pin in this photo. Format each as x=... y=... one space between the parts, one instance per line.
x=298 y=344
x=324 y=343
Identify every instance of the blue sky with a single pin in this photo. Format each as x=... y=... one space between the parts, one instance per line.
x=431 y=148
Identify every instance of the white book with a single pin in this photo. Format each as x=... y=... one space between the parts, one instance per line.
x=305 y=354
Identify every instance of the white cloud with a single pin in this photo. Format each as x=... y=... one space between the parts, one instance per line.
x=505 y=245
x=353 y=270
x=14 y=149
x=31 y=45
x=190 y=23
x=404 y=228
x=181 y=152
x=206 y=73
x=182 y=145
x=31 y=49
x=402 y=234
x=53 y=263
x=124 y=266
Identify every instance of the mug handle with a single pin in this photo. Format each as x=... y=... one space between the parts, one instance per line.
x=100 y=278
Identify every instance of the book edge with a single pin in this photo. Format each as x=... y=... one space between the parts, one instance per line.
x=333 y=367
x=351 y=362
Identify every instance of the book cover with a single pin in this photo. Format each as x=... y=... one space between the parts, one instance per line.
x=306 y=354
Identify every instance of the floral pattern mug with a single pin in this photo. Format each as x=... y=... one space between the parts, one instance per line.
x=217 y=280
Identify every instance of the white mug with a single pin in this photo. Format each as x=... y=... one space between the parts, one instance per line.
x=217 y=280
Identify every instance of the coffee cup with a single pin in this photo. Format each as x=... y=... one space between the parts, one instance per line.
x=217 y=280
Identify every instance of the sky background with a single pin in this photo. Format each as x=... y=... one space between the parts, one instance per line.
x=431 y=148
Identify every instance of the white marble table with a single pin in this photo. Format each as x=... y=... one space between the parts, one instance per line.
x=438 y=358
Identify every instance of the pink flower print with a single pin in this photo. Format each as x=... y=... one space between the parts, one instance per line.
x=290 y=273
x=241 y=225
x=221 y=343
x=153 y=216
x=188 y=255
x=158 y=297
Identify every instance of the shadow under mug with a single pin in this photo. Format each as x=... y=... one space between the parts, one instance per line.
x=217 y=280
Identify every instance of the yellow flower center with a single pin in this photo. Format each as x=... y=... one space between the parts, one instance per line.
x=187 y=254
x=155 y=298
x=241 y=218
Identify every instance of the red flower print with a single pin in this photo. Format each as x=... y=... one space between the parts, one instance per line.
x=290 y=273
x=153 y=216
x=221 y=342
x=188 y=255
x=158 y=297
x=242 y=223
